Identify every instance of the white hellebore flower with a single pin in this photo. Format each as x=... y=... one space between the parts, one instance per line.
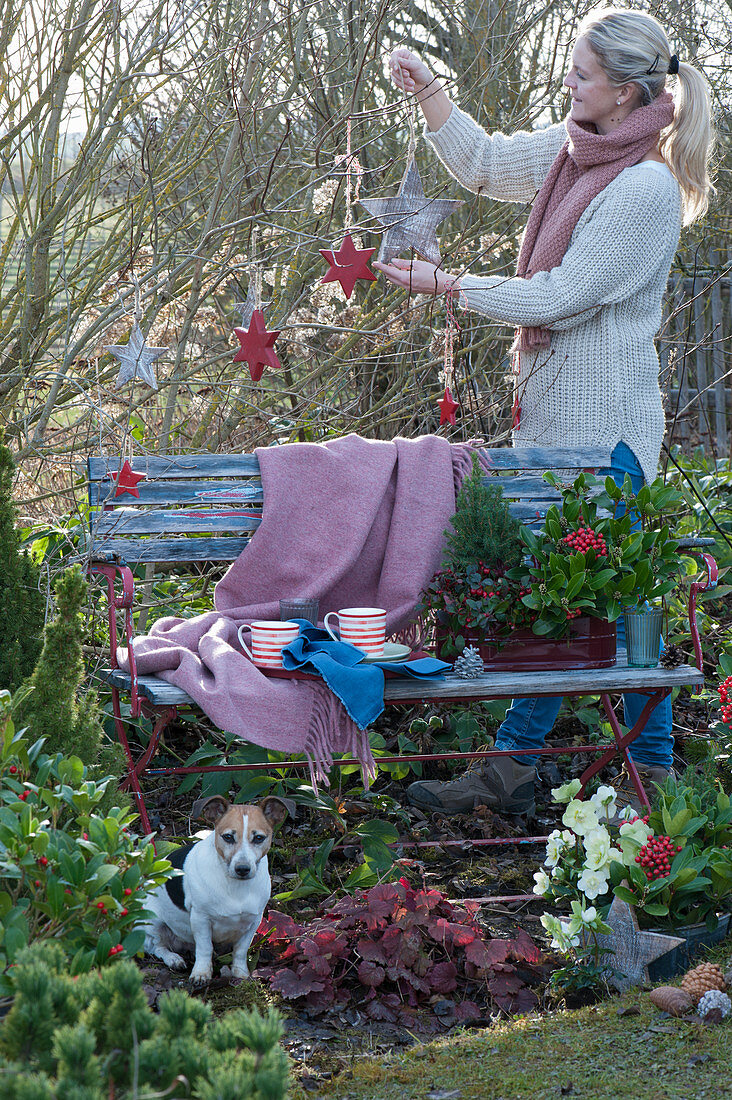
x=566 y=792
x=592 y=883
x=604 y=800
x=543 y=883
x=556 y=846
x=581 y=817
x=635 y=830
x=597 y=848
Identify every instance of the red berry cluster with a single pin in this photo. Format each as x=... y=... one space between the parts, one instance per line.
x=584 y=539
x=115 y=950
x=574 y=614
x=725 y=698
x=655 y=857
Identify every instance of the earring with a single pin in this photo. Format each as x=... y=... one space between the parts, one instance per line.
x=617 y=102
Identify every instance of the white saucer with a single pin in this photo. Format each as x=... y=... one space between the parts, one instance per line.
x=393 y=651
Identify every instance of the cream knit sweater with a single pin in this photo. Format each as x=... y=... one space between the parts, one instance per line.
x=597 y=382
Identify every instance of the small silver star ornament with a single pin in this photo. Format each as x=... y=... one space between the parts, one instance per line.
x=136 y=359
x=410 y=219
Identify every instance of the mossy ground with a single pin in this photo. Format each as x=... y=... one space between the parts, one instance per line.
x=601 y=1051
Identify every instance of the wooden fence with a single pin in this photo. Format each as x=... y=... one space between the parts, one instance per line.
x=696 y=361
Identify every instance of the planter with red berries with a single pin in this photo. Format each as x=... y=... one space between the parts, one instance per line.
x=549 y=599
x=681 y=879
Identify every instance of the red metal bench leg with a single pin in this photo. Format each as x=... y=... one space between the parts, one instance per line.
x=622 y=742
x=131 y=781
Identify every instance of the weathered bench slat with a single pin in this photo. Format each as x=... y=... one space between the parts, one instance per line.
x=232 y=465
x=132 y=521
x=168 y=550
x=222 y=494
x=175 y=466
x=503 y=685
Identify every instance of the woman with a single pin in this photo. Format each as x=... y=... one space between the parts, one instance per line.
x=610 y=187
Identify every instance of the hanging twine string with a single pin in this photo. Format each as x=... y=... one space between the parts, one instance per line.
x=353 y=164
x=255 y=271
x=452 y=328
x=410 y=109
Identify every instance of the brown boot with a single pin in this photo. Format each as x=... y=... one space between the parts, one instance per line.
x=627 y=794
x=501 y=784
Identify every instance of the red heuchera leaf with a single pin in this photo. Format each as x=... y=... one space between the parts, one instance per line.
x=467 y=1010
x=370 y=974
x=291 y=984
x=371 y=951
x=279 y=926
x=442 y=977
x=320 y=1000
x=523 y=1000
x=523 y=948
x=382 y=1010
x=486 y=953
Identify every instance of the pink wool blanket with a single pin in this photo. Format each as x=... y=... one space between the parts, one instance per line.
x=584 y=166
x=353 y=522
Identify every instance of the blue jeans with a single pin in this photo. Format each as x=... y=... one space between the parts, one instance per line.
x=528 y=721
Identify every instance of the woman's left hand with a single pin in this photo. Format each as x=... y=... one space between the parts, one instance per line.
x=417 y=276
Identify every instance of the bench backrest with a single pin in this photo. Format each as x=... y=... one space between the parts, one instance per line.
x=205 y=507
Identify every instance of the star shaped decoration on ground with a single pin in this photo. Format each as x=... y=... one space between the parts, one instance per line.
x=136 y=359
x=448 y=408
x=256 y=346
x=632 y=949
x=125 y=480
x=347 y=265
x=410 y=219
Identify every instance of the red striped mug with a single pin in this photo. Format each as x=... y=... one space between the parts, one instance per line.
x=364 y=627
x=268 y=639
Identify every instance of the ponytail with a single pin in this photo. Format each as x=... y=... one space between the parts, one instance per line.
x=687 y=144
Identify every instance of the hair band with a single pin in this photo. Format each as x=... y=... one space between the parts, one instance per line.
x=673 y=65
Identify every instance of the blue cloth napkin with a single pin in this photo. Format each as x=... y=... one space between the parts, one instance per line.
x=358 y=685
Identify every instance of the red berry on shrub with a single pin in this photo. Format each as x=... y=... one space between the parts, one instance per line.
x=123 y=912
x=102 y=906
x=23 y=795
x=37 y=882
x=13 y=769
x=126 y=891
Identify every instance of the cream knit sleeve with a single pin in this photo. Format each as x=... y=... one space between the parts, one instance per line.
x=619 y=244
x=509 y=168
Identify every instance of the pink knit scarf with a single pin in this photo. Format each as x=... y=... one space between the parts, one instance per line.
x=584 y=166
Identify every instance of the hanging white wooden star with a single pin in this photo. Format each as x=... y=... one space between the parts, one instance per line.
x=136 y=359
x=632 y=949
x=410 y=219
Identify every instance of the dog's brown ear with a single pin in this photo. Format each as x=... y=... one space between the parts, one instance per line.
x=276 y=809
x=210 y=809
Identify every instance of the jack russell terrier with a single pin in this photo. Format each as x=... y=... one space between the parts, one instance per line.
x=221 y=896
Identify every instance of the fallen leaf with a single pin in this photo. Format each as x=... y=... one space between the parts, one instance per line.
x=444 y=1094
x=630 y=1010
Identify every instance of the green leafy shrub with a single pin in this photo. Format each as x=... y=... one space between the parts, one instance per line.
x=96 y=1037
x=22 y=606
x=67 y=873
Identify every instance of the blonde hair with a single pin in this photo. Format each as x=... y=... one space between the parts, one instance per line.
x=631 y=48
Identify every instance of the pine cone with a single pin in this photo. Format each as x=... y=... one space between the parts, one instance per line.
x=469 y=664
x=672 y=657
x=672 y=1000
x=702 y=978
x=714 y=1000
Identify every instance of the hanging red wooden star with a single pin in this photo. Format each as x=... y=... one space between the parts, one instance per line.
x=125 y=480
x=347 y=265
x=447 y=408
x=256 y=346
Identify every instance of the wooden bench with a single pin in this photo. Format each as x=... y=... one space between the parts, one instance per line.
x=190 y=511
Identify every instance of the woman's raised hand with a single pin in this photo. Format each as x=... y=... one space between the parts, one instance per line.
x=408 y=71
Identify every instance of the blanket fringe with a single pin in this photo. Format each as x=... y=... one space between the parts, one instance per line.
x=332 y=728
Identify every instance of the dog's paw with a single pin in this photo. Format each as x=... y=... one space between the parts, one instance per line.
x=172 y=960
x=234 y=973
x=200 y=975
